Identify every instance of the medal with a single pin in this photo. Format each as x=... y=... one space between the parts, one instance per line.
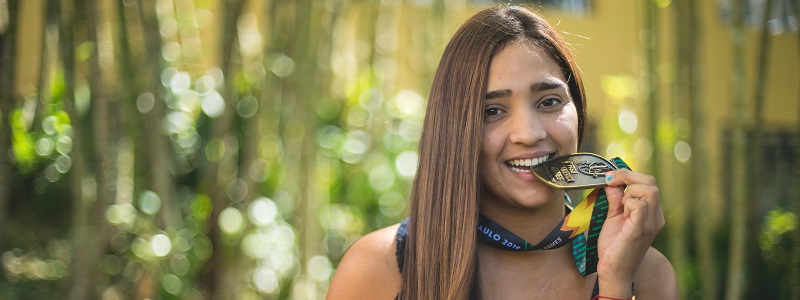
x=574 y=171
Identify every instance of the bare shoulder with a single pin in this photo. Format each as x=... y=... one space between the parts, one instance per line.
x=656 y=277
x=368 y=270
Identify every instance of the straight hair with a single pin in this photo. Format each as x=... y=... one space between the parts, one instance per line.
x=440 y=261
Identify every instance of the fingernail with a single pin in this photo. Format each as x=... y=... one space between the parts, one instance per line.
x=609 y=176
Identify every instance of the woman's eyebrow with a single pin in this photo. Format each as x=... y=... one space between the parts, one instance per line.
x=546 y=85
x=498 y=94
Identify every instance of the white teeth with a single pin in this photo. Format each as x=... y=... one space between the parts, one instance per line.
x=523 y=165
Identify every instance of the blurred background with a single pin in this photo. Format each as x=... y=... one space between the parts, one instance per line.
x=234 y=149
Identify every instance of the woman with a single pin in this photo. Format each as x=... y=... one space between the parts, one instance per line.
x=506 y=95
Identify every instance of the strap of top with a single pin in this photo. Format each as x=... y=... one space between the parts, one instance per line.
x=400 y=244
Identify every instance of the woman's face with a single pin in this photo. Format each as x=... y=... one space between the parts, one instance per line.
x=529 y=117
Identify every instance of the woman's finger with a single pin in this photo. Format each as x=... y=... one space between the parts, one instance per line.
x=624 y=177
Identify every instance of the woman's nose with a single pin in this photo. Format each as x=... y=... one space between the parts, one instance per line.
x=526 y=129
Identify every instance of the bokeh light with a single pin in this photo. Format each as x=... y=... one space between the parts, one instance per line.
x=231 y=221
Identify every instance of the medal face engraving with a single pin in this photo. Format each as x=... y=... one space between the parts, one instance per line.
x=567 y=174
x=594 y=169
x=574 y=171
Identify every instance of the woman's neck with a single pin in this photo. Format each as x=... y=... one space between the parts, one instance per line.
x=531 y=224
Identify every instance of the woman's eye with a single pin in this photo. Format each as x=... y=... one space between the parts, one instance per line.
x=550 y=103
x=492 y=112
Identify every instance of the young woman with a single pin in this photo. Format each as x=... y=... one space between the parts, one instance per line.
x=506 y=95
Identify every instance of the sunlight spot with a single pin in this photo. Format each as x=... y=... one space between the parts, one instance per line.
x=256 y=245
x=330 y=137
x=304 y=289
x=381 y=177
x=171 y=51
x=320 y=268
x=262 y=211
x=52 y=174
x=280 y=64
x=266 y=280
x=44 y=146
x=149 y=202
x=49 y=125
x=172 y=284
x=683 y=152
x=406 y=103
x=615 y=150
x=139 y=248
x=356 y=144
x=145 y=102
x=63 y=144
x=180 y=82
x=160 y=245
x=213 y=105
x=205 y=84
x=231 y=221
x=63 y=163
x=180 y=264
x=406 y=163
x=247 y=106
x=627 y=121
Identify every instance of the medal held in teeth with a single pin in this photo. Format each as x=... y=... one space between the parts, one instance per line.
x=574 y=171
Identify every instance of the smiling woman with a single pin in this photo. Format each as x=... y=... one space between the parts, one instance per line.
x=506 y=96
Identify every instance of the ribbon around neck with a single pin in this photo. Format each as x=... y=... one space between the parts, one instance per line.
x=588 y=216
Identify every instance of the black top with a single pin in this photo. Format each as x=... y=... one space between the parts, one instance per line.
x=400 y=238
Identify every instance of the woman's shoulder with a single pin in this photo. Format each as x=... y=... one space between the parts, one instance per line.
x=368 y=270
x=656 y=277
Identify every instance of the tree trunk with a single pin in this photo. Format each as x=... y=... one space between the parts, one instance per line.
x=304 y=50
x=155 y=145
x=737 y=261
x=756 y=148
x=8 y=54
x=46 y=56
x=216 y=174
x=82 y=267
x=651 y=77
x=698 y=184
x=677 y=205
x=795 y=252
x=159 y=152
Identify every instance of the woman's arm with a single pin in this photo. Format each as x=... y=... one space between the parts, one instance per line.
x=656 y=278
x=369 y=269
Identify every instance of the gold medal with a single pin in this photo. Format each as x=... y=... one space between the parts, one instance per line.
x=574 y=171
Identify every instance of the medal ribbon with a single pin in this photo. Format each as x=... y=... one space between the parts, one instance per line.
x=589 y=214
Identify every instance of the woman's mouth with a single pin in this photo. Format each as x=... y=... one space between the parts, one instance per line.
x=524 y=165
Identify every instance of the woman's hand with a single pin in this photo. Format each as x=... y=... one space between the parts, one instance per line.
x=633 y=222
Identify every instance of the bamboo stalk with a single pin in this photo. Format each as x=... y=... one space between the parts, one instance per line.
x=82 y=262
x=756 y=148
x=737 y=261
x=8 y=53
x=795 y=252
x=48 y=41
x=698 y=182
x=678 y=206
x=651 y=63
x=214 y=271
x=155 y=144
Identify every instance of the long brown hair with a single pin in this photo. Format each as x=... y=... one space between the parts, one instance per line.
x=440 y=260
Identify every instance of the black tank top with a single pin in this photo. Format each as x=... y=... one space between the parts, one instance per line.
x=400 y=251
